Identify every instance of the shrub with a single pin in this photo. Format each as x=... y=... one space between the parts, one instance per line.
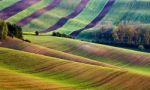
x=26 y=40
x=61 y=35
x=141 y=47
x=53 y=34
x=36 y=33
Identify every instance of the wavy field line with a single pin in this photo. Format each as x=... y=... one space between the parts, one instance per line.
x=86 y=16
x=16 y=8
x=51 y=17
x=129 y=10
x=64 y=72
x=30 y=10
x=20 y=45
x=135 y=61
x=80 y=7
x=38 y=13
x=101 y=15
x=10 y=79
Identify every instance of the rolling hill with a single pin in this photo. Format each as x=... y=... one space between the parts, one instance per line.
x=129 y=59
x=33 y=48
x=41 y=45
x=63 y=73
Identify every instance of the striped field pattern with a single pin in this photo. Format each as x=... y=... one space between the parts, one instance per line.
x=16 y=8
x=36 y=14
x=57 y=63
x=63 y=20
x=72 y=16
x=94 y=22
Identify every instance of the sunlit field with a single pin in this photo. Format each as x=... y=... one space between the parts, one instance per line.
x=74 y=45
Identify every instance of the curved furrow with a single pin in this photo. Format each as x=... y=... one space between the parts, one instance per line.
x=38 y=13
x=86 y=16
x=16 y=8
x=63 y=20
x=101 y=15
x=11 y=80
x=124 y=58
x=51 y=17
x=19 y=45
x=64 y=71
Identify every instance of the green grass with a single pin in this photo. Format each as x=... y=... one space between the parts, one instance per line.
x=86 y=16
x=129 y=10
x=89 y=35
x=71 y=46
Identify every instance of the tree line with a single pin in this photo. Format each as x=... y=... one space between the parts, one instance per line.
x=8 y=29
x=58 y=34
x=125 y=34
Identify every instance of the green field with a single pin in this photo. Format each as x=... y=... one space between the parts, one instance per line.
x=56 y=73
x=73 y=47
x=122 y=10
x=50 y=17
x=70 y=66
x=92 y=10
x=131 y=11
x=44 y=61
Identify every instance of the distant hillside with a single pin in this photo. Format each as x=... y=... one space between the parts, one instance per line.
x=67 y=16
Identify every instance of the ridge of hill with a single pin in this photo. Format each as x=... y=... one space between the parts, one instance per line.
x=33 y=48
x=133 y=60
